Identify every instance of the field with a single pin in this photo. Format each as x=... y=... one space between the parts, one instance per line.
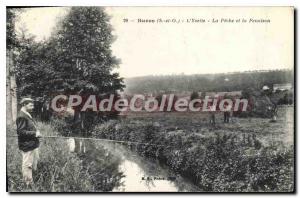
x=247 y=154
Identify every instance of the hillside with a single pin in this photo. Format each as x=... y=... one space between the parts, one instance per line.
x=208 y=82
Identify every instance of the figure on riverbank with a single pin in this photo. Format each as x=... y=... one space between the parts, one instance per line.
x=28 y=140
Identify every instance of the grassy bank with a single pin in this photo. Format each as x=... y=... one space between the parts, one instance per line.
x=60 y=170
x=247 y=155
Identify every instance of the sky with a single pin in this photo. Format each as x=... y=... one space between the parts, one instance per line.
x=189 y=48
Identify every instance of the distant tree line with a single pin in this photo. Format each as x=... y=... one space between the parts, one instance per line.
x=208 y=82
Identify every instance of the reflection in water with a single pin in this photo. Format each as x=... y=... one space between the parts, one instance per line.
x=136 y=180
x=71 y=144
x=127 y=171
x=101 y=165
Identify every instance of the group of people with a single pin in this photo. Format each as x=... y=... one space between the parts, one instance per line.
x=212 y=119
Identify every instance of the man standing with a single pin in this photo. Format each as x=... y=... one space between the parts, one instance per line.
x=226 y=116
x=28 y=140
x=212 y=119
x=226 y=111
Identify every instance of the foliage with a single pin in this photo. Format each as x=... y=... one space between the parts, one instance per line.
x=83 y=55
x=11 y=37
x=76 y=59
x=60 y=170
x=194 y=95
x=208 y=82
x=227 y=159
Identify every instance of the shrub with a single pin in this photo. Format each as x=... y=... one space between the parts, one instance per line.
x=218 y=161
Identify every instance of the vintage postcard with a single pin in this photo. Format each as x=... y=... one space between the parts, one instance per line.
x=150 y=99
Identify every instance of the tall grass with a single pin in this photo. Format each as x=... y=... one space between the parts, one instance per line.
x=220 y=160
x=60 y=170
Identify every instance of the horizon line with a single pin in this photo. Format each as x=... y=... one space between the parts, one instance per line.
x=228 y=73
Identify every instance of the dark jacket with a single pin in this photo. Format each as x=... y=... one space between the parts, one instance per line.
x=26 y=130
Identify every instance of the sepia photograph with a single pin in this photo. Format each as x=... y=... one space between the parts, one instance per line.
x=150 y=99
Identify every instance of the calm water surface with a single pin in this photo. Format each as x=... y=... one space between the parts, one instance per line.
x=140 y=174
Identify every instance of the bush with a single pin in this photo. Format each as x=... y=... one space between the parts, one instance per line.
x=216 y=162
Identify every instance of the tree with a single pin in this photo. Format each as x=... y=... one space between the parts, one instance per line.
x=194 y=95
x=77 y=59
x=11 y=36
x=83 y=57
x=11 y=45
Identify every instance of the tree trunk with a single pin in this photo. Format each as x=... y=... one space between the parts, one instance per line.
x=9 y=120
x=14 y=101
x=11 y=86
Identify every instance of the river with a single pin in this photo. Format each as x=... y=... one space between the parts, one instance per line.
x=140 y=174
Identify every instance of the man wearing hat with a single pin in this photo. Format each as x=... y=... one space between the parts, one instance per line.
x=28 y=139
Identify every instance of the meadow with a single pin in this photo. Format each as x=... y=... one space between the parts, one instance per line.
x=248 y=154
x=245 y=155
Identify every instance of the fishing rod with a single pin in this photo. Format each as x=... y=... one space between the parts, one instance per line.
x=99 y=139
x=96 y=139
